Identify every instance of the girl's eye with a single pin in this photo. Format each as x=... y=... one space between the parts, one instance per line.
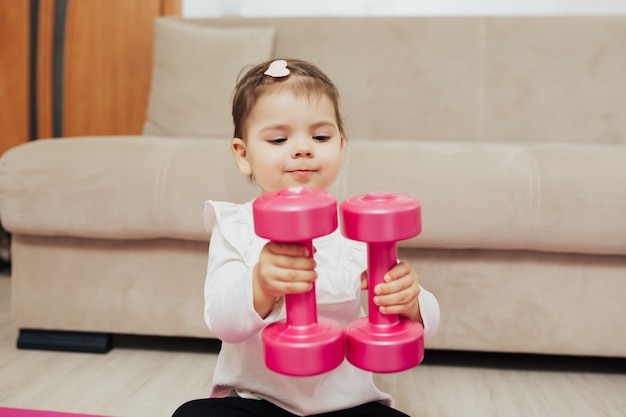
x=321 y=138
x=277 y=141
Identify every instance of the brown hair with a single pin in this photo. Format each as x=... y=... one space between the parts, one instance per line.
x=304 y=79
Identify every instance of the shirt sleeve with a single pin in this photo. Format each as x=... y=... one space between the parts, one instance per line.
x=228 y=296
x=429 y=309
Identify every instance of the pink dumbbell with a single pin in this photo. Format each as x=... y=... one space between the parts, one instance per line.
x=302 y=345
x=382 y=342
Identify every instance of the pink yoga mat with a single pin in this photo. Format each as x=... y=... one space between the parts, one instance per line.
x=19 y=412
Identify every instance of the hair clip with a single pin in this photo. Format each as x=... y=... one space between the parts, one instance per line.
x=278 y=69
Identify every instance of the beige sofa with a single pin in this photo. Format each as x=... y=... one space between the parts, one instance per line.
x=511 y=132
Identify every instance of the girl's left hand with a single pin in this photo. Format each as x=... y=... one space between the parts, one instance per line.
x=398 y=294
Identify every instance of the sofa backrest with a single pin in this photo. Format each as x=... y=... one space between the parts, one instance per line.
x=493 y=79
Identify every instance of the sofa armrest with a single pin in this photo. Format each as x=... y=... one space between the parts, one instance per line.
x=130 y=187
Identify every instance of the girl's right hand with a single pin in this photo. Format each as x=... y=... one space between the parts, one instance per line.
x=283 y=268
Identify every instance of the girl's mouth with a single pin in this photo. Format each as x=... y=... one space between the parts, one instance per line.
x=302 y=172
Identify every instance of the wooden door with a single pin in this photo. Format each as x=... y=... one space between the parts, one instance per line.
x=14 y=21
x=75 y=67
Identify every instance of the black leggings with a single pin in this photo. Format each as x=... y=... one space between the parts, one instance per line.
x=243 y=407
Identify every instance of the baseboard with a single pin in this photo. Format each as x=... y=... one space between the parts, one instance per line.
x=67 y=341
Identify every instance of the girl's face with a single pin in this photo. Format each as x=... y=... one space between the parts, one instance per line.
x=291 y=141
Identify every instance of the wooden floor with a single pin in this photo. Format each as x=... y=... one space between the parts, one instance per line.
x=150 y=377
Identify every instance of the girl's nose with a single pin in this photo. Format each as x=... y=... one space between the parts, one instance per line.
x=302 y=149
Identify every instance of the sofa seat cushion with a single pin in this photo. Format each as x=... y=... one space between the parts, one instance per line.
x=544 y=197
x=559 y=198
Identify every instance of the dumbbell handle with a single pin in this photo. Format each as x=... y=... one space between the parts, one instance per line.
x=381 y=257
x=301 y=307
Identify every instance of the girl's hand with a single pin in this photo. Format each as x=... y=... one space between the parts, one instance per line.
x=283 y=268
x=398 y=294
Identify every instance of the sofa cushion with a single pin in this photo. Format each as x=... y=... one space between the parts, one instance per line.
x=468 y=79
x=549 y=197
x=558 y=198
x=195 y=70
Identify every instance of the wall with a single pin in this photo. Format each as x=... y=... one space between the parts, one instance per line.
x=250 y=8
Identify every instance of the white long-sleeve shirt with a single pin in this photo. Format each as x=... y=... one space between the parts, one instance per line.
x=229 y=313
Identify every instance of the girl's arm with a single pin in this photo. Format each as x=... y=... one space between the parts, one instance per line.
x=228 y=294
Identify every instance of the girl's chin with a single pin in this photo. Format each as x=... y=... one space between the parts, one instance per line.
x=290 y=185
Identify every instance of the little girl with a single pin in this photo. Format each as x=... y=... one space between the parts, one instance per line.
x=288 y=132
